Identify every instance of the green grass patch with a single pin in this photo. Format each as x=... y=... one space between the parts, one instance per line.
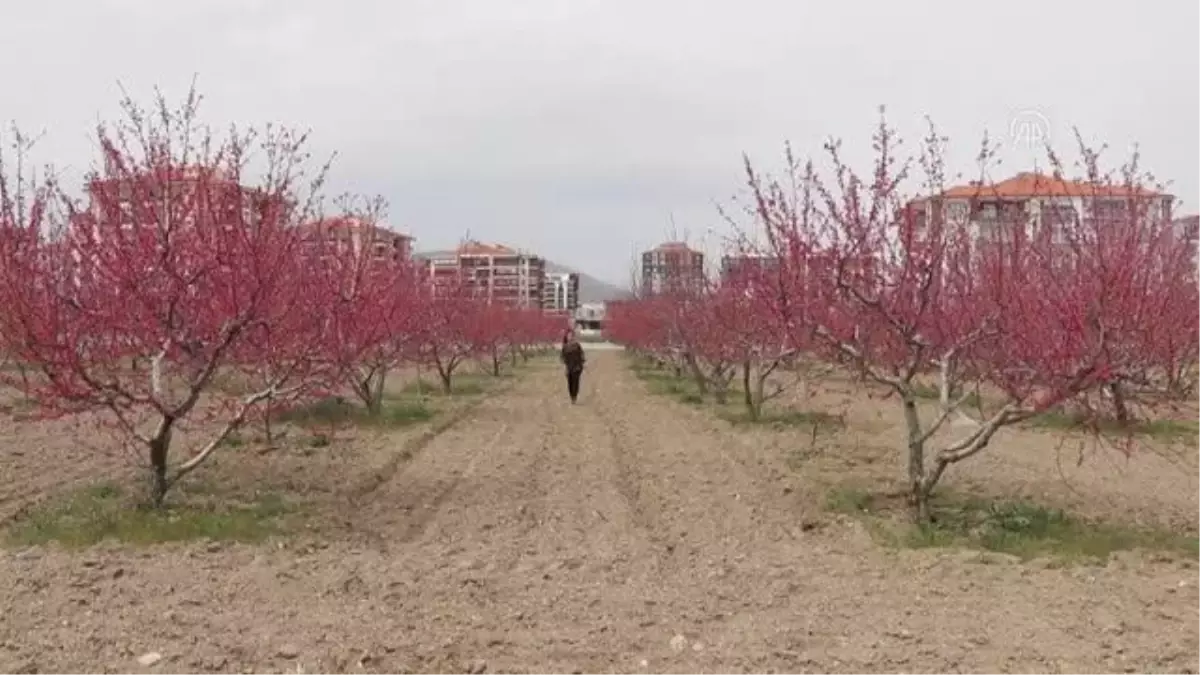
x=234 y=439
x=784 y=418
x=463 y=384
x=1163 y=430
x=664 y=382
x=102 y=512
x=402 y=413
x=507 y=372
x=850 y=500
x=337 y=411
x=1013 y=527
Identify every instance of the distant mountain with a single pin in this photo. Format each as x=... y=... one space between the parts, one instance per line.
x=591 y=289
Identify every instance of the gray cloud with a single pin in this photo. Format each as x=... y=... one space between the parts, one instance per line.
x=578 y=128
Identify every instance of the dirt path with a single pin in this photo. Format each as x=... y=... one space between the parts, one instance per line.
x=624 y=534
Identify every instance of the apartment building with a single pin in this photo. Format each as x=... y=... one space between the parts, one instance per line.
x=178 y=198
x=361 y=237
x=181 y=198
x=200 y=193
x=589 y=316
x=736 y=265
x=672 y=266
x=1188 y=228
x=1040 y=201
x=442 y=271
x=493 y=272
x=560 y=292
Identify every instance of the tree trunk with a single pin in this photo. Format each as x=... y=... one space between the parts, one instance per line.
x=697 y=375
x=721 y=389
x=918 y=495
x=420 y=382
x=268 y=430
x=747 y=392
x=375 y=403
x=444 y=374
x=1174 y=381
x=1118 y=397
x=495 y=362
x=24 y=373
x=370 y=391
x=760 y=391
x=159 y=446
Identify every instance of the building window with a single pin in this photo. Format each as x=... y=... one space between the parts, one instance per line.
x=1109 y=210
x=917 y=213
x=1054 y=214
x=956 y=211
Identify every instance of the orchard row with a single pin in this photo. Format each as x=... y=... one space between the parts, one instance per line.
x=1093 y=308
x=179 y=271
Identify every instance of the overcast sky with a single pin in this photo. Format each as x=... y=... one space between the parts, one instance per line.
x=578 y=128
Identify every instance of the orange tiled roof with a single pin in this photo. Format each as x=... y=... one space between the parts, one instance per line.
x=348 y=224
x=673 y=246
x=1033 y=184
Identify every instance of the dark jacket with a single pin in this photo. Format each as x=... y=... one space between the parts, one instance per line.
x=572 y=356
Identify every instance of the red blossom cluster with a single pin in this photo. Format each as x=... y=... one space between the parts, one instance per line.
x=1090 y=302
x=715 y=334
x=183 y=289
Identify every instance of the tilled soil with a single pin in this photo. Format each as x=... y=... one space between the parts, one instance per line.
x=626 y=533
x=1139 y=480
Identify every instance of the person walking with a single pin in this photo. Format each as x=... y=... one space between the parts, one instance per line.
x=573 y=359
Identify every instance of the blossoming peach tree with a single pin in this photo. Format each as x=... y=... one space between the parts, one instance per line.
x=1042 y=310
x=177 y=271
